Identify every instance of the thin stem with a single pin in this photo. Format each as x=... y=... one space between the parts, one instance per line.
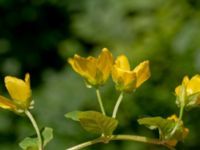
x=100 y=102
x=182 y=100
x=30 y=116
x=85 y=144
x=123 y=137
x=181 y=112
x=142 y=139
x=179 y=120
x=117 y=105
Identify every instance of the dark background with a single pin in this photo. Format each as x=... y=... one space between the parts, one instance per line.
x=37 y=36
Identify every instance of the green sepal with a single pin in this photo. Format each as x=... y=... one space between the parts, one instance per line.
x=193 y=101
x=94 y=122
x=181 y=99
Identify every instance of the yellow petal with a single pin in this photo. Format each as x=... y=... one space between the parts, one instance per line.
x=184 y=82
x=129 y=81
x=125 y=80
x=92 y=67
x=104 y=64
x=6 y=103
x=18 y=89
x=177 y=90
x=122 y=63
x=86 y=67
x=142 y=72
x=74 y=65
x=115 y=74
x=193 y=85
x=27 y=79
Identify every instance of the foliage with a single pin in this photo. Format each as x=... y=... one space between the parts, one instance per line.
x=37 y=37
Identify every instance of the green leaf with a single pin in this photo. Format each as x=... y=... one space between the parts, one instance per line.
x=170 y=128
x=153 y=122
x=73 y=115
x=96 y=122
x=29 y=144
x=47 y=135
x=164 y=126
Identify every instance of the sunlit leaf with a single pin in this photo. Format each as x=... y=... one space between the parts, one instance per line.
x=96 y=122
x=29 y=144
x=47 y=135
x=169 y=128
x=153 y=122
x=73 y=115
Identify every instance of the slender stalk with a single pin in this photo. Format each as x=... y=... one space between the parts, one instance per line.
x=100 y=102
x=179 y=118
x=117 y=105
x=182 y=100
x=181 y=112
x=30 y=116
x=85 y=144
x=123 y=137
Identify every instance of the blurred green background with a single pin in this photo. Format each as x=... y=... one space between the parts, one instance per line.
x=37 y=36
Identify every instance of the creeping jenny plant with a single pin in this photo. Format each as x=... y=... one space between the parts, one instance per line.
x=171 y=129
x=95 y=72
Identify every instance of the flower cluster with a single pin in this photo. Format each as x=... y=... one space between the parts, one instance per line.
x=96 y=71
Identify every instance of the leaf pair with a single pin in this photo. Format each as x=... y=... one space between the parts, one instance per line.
x=31 y=143
x=94 y=122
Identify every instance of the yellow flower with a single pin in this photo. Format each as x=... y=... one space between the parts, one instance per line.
x=94 y=70
x=19 y=91
x=189 y=91
x=126 y=79
x=192 y=86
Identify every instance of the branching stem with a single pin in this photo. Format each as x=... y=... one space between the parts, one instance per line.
x=123 y=137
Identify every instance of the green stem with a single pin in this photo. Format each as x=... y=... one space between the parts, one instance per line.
x=182 y=100
x=179 y=120
x=30 y=116
x=181 y=112
x=117 y=105
x=100 y=102
x=85 y=144
x=122 y=137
